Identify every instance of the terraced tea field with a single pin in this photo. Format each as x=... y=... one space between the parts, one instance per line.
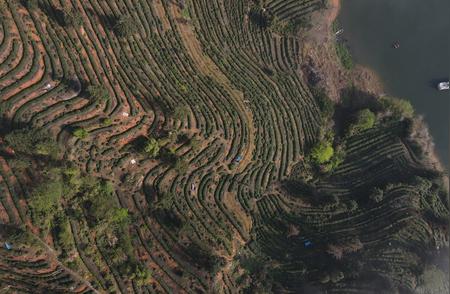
x=163 y=146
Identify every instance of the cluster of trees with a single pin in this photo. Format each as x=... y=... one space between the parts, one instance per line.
x=163 y=148
x=363 y=114
x=64 y=194
x=33 y=142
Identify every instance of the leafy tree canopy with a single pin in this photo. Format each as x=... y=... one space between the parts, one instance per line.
x=33 y=142
x=322 y=152
x=365 y=119
x=152 y=147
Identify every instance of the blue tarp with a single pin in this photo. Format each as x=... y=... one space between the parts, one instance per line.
x=8 y=246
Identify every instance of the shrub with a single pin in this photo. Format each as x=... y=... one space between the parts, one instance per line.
x=325 y=104
x=185 y=13
x=399 y=108
x=106 y=122
x=142 y=275
x=344 y=56
x=80 y=133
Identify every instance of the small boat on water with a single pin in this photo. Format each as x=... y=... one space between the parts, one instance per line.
x=443 y=86
x=396 y=45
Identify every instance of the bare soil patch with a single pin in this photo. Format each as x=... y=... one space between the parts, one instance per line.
x=319 y=56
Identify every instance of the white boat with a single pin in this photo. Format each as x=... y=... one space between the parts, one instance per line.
x=443 y=86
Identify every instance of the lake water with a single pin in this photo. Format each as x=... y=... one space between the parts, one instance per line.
x=411 y=71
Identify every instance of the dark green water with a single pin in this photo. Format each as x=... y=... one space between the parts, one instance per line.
x=422 y=27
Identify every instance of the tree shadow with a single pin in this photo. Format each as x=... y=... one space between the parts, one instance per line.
x=7 y=125
x=53 y=13
x=108 y=21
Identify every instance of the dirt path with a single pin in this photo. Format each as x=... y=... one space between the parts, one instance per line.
x=334 y=11
x=209 y=68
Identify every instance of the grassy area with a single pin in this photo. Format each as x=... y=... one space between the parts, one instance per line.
x=344 y=56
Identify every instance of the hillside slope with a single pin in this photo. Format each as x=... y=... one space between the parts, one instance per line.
x=156 y=146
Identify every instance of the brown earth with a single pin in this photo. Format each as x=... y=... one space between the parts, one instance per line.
x=319 y=54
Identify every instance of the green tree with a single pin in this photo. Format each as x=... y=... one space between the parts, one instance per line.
x=322 y=152
x=185 y=13
x=106 y=122
x=152 y=147
x=80 y=133
x=120 y=217
x=365 y=119
x=45 y=200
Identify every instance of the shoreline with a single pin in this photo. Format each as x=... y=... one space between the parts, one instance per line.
x=319 y=54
